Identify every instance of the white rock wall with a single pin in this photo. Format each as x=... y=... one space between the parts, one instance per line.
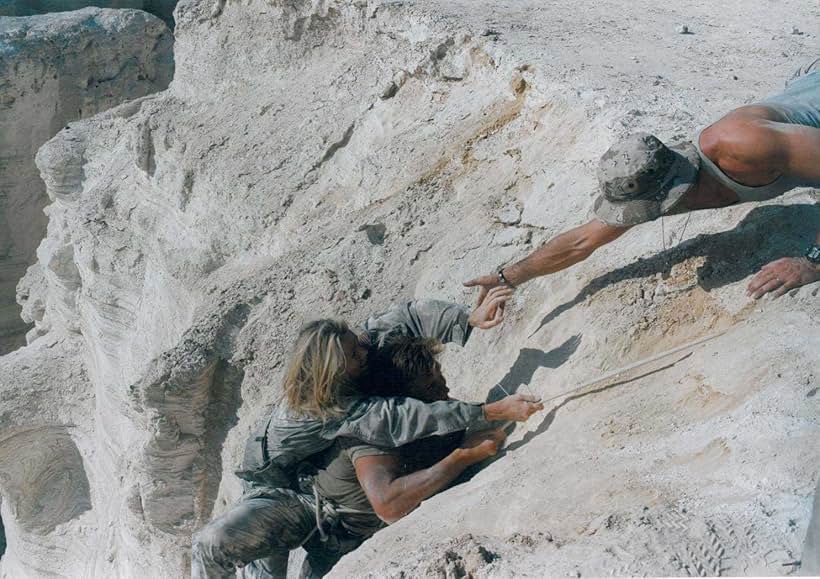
x=327 y=158
x=56 y=69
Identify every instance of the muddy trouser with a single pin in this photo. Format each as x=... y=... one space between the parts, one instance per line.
x=257 y=535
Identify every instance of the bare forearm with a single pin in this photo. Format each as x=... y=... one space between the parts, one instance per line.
x=405 y=493
x=558 y=253
x=563 y=250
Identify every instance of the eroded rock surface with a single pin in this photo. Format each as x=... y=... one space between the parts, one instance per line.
x=327 y=158
x=56 y=69
x=163 y=9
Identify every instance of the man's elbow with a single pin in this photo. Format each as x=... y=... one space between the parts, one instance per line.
x=388 y=513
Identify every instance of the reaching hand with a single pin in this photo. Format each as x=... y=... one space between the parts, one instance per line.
x=782 y=275
x=485 y=444
x=490 y=310
x=517 y=407
x=487 y=282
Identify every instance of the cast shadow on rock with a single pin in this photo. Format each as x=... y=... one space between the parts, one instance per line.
x=519 y=374
x=528 y=361
x=764 y=235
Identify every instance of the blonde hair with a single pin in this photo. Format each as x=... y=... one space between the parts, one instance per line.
x=316 y=377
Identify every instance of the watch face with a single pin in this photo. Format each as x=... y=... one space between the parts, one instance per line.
x=813 y=253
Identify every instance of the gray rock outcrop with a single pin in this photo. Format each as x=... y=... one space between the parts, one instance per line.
x=55 y=69
x=326 y=158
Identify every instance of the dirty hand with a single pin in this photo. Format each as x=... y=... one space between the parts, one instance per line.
x=486 y=282
x=490 y=311
x=782 y=275
x=485 y=444
x=517 y=407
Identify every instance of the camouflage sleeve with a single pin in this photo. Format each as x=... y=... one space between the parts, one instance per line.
x=445 y=321
x=396 y=421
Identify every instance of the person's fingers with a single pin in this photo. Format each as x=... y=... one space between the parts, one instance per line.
x=528 y=397
x=767 y=287
x=482 y=294
x=758 y=281
x=490 y=323
x=768 y=266
x=501 y=290
x=498 y=299
x=497 y=310
x=783 y=289
x=490 y=447
x=488 y=280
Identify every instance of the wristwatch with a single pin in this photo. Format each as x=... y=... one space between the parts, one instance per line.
x=503 y=278
x=813 y=254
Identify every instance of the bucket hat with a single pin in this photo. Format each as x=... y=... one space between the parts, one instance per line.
x=641 y=179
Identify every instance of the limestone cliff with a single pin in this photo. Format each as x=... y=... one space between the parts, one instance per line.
x=328 y=157
x=55 y=69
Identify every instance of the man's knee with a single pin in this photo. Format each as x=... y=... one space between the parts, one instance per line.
x=207 y=554
x=209 y=540
x=741 y=141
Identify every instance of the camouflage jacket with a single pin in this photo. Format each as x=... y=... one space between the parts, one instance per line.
x=281 y=441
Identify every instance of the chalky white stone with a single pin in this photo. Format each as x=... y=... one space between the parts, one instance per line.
x=55 y=69
x=191 y=232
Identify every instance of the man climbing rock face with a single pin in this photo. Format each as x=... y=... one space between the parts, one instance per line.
x=754 y=153
x=273 y=517
x=357 y=488
x=299 y=428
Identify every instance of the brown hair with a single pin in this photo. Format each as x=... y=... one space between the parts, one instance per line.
x=316 y=376
x=399 y=361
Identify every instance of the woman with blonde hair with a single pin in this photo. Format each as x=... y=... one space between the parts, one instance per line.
x=319 y=375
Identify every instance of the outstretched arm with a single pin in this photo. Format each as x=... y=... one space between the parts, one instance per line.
x=558 y=253
x=444 y=321
x=393 y=422
x=393 y=496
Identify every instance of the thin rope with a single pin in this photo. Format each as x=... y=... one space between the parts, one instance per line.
x=663 y=234
x=318 y=511
x=641 y=363
x=683 y=231
x=504 y=390
x=616 y=376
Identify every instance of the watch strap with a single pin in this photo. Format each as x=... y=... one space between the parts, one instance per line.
x=503 y=278
x=813 y=254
